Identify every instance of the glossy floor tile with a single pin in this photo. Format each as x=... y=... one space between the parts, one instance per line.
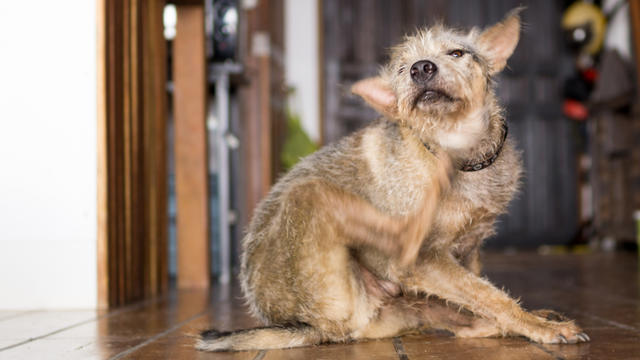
x=600 y=291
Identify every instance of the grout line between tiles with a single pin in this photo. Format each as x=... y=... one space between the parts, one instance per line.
x=107 y=315
x=157 y=336
x=397 y=345
x=260 y=355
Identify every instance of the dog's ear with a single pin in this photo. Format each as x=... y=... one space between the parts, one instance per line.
x=377 y=93
x=500 y=40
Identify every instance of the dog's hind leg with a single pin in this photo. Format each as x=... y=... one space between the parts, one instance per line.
x=406 y=315
x=392 y=320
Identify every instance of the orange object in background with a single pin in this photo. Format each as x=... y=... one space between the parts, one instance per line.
x=575 y=110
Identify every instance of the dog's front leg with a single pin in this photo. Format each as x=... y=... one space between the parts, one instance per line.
x=441 y=275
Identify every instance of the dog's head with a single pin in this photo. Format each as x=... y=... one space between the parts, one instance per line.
x=439 y=75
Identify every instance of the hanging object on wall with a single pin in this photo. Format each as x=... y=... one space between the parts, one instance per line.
x=584 y=25
x=225 y=30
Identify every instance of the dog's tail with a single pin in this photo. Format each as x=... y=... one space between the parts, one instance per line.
x=270 y=337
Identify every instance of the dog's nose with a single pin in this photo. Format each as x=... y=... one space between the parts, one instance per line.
x=422 y=71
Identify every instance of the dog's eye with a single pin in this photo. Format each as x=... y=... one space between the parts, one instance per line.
x=457 y=53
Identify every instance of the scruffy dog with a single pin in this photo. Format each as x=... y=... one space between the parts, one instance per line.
x=378 y=234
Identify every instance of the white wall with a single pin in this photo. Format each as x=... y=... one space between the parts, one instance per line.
x=618 y=34
x=47 y=154
x=302 y=63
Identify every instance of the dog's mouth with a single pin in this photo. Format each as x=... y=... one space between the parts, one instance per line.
x=430 y=95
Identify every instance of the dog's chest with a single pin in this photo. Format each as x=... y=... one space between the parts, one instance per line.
x=469 y=211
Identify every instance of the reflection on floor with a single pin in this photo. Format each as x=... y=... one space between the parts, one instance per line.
x=601 y=291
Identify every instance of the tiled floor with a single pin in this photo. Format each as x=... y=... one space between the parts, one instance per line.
x=601 y=291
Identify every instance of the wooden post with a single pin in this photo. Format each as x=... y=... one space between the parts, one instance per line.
x=634 y=15
x=262 y=99
x=102 y=186
x=132 y=191
x=155 y=186
x=192 y=195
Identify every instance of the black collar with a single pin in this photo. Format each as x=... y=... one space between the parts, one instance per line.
x=487 y=159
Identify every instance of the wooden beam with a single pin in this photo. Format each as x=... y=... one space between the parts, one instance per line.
x=261 y=36
x=253 y=155
x=634 y=15
x=102 y=201
x=266 y=146
x=320 y=69
x=131 y=152
x=187 y=2
x=154 y=71
x=192 y=195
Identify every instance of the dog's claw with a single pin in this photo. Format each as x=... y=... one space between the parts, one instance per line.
x=583 y=337
x=562 y=339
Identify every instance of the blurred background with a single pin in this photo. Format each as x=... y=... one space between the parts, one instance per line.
x=139 y=135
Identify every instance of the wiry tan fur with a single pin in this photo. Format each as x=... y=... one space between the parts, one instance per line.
x=377 y=235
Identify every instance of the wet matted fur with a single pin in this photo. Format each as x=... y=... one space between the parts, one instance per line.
x=378 y=234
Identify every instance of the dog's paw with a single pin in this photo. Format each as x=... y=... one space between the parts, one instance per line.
x=558 y=332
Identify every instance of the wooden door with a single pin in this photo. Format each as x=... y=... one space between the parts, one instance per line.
x=356 y=36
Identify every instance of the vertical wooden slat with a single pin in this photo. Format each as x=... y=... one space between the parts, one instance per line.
x=128 y=144
x=634 y=14
x=263 y=98
x=275 y=98
x=250 y=117
x=113 y=83
x=132 y=155
x=119 y=94
x=139 y=237
x=116 y=172
x=320 y=70
x=264 y=90
x=102 y=193
x=154 y=100
x=190 y=147
x=634 y=10
x=125 y=286
x=332 y=25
